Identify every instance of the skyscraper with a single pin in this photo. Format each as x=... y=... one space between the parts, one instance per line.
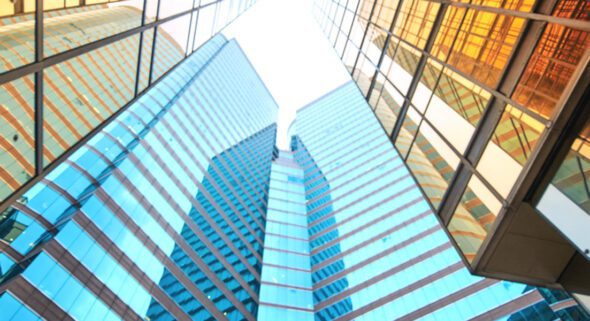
x=159 y=216
x=67 y=67
x=374 y=249
x=487 y=103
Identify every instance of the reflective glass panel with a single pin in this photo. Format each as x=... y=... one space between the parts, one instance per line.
x=415 y=21
x=456 y=108
x=17 y=141
x=168 y=9
x=566 y=201
x=19 y=230
x=171 y=42
x=550 y=69
x=484 y=45
x=146 y=58
x=387 y=107
x=17 y=36
x=65 y=29
x=384 y=13
x=407 y=131
x=473 y=217
x=425 y=87
x=82 y=92
x=433 y=163
x=512 y=143
x=14 y=310
x=573 y=176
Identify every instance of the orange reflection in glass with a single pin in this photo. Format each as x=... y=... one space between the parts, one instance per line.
x=384 y=12
x=519 y=5
x=446 y=35
x=415 y=21
x=554 y=61
x=484 y=44
x=550 y=68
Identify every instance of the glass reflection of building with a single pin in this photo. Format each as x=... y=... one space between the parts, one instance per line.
x=68 y=67
x=374 y=249
x=159 y=216
x=479 y=98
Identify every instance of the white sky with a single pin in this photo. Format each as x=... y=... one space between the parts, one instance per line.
x=291 y=55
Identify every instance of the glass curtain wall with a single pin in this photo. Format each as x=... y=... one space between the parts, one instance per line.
x=68 y=66
x=467 y=91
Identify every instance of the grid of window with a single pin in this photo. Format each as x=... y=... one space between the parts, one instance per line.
x=377 y=250
x=286 y=289
x=467 y=91
x=68 y=66
x=160 y=215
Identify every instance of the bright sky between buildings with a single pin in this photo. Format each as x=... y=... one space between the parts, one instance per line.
x=291 y=55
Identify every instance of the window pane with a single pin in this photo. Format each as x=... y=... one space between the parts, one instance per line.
x=428 y=81
x=82 y=92
x=17 y=37
x=407 y=131
x=384 y=13
x=19 y=230
x=14 y=310
x=171 y=41
x=512 y=143
x=168 y=9
x=404 y=67
x=146 y=58
x=473 y=217
x=388 y=106
x=551 y=68
x=566 y=201
x=204 y=25
x=17 y=141
x=374 y=43
x=456 y=108
x=70 y=28
x=573 y=176
x=433 y=163
x=484 y=45
x=363 y=74
x=448 y=30
x=415 y=21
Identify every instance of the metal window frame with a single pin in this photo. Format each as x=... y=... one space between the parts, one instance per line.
x=37 y=69
x=542 y=163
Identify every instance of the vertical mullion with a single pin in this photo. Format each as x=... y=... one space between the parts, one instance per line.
x=198 y=12
x=140 y=50
x=154 y=45
x=419 y=69
x=341 y=21
x=38 y=88
x=358 y=4
x=217 y=5
x=190 y=27
x=364 y=36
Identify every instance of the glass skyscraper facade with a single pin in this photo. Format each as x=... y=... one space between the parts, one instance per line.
x=487 y=104
x=376 y=249
x=69 y=66
x=161 y=215
x=286 y=290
